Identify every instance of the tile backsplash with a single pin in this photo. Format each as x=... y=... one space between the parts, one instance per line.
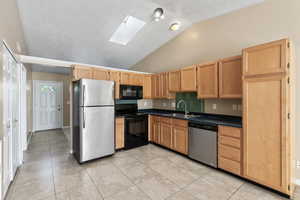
x=192 y=103
x=214 y=106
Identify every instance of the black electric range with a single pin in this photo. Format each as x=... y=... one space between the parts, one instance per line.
x=136 y=125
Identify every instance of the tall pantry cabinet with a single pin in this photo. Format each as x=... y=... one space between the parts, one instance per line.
x=266 y=115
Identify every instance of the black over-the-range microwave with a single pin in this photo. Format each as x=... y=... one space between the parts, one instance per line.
x=131 y=92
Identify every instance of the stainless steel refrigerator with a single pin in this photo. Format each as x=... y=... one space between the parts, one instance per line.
x=93 y=119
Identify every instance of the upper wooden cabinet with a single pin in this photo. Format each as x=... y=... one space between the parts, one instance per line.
x=174 y=81
x=265 y=59
x=82 y=72
x=207 y=78
x=147 y=87
x=230 y=77
x=155 y=86
x=100 y=74
x=189 y=79
x=130 y=78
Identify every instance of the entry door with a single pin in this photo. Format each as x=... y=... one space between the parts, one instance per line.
x=48 y=105
x=11 y=105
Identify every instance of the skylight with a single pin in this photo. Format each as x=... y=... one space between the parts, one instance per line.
x=127 y=30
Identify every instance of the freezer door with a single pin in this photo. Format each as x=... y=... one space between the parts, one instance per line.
x=96 y=92
x=97 y=132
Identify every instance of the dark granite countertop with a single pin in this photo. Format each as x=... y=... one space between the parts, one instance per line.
x=198 y=118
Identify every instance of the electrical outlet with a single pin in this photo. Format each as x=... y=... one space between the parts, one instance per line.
x=214 y=106
x=164 y=104
x=145 y=103
x=234 y=107
x=173 y=104
x=298 y=164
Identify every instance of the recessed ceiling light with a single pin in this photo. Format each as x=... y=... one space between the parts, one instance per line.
x=127 y=30
x=175 y=26
x=158 y=14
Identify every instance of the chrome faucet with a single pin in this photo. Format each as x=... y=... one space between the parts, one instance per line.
x=185 y=108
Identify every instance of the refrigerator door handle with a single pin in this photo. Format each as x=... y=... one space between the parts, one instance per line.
x=83 y=116
x=83 y=94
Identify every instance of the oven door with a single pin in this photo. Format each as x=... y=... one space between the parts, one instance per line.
x=136 y=131
x=131 y=92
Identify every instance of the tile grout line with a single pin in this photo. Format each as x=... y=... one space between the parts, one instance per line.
x=94 y=184
x=132 y=180
x=52 y=169
x=234 y=192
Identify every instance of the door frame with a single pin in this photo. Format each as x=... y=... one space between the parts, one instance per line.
x=35 y=84
x=23 y=109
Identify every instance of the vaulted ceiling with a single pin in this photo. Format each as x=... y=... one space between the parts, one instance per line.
x=80 y=30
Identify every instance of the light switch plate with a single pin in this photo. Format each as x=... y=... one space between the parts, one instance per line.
x=173 y=104
x=234 y=107
x=298 y=164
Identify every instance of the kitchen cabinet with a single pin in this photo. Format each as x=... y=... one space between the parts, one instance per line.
x=188 y=79
x=155 y=129
x=174 y=81
x=147 y=87
x=207 y=80
x=229 y=149
x=267 y=58
x=165 y=132
x=119 y=133
x=180 y=136
x=80 y=72
x=115 y=76
x=267 y=142
x=230 y=77
x=155 y=86
x=170 y=133
x=130 y=78
x=164 y=92
x=100 y=74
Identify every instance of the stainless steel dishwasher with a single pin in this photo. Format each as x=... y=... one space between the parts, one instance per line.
x=203 y=142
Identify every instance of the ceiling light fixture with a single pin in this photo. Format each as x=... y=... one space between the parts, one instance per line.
x=158 y=14
x=175 y=26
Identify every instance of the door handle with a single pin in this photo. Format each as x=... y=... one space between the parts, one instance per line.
x=83 y=116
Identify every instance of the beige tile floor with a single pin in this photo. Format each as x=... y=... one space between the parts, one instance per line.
x=149 y=172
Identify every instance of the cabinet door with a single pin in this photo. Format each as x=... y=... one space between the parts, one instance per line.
x=115 y=76
x=207 y=78
x=174 y=81
x=82 y=72
x=119 y=137
x=147 y=87
x=156 y=86
x=166 y=135
x=125 y=78
x=169 y=94
x=265 y=59
x=180 y=139
x=162 y=86
x=189 y=79
x=230 y=77
x=156 y=130
x=100 y=74
x=266 y=149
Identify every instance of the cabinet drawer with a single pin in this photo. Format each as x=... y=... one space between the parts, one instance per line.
x=165 y=120
x=230 y=131
x=229 y=165
x=229 y=153
x=180 y=122
x=233 y=142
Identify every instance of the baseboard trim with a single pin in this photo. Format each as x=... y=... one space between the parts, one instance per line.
x=64 y=127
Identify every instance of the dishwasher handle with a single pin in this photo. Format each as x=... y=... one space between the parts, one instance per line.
x=205 y=127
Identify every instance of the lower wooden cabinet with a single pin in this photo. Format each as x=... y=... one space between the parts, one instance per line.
x=119 y=133
x=180 y=139
x=229 y=149
x=170 y=133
